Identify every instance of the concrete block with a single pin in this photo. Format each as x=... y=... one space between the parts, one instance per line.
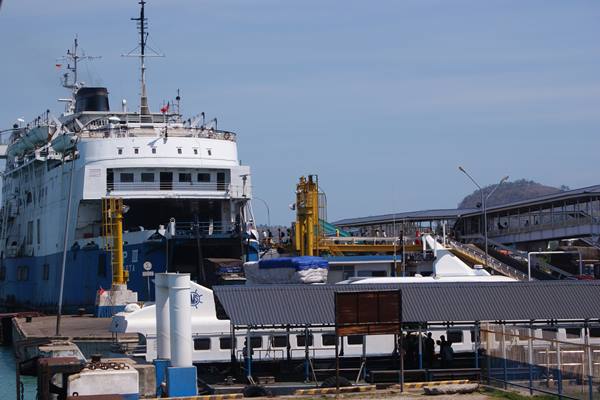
x=147 y=379
x=451 y=389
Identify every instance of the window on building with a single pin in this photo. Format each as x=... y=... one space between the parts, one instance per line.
x=594 y=332
x=209 y=151
x=203 y=177
x=154 y=150
x=147 y=176
x=136 y=150
x=279 y=341
x=573 y=333
x=38 y=231
x=225 y=343
x=120 y=151
x=256 y=342
x=46 y=272
x=355 y=339
x=185 y=177
x=179 y=151
x=195 y=150
x=2 y=272
x=126 y=177
x=202 y=344
x=23 y=273
x=328 y=339
x=454 y=336
x=301 y=342
x=549 y=333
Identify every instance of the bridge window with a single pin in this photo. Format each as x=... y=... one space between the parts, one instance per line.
x=120 y=151
x=136 y=150
x=279 y=341
x=154 y=150
x=202 y=344
x=147 y=176
x=328 y=339
x=195 y=150
x=126 y=177
x=179 y=151
x=301 y=342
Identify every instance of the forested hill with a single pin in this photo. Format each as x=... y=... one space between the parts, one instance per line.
x=508 y=192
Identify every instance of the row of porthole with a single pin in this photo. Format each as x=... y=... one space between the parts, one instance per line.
x=136 y=150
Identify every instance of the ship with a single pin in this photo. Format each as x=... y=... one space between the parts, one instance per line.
x=186 y=195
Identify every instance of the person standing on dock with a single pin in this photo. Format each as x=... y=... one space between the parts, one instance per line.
x=429 y=350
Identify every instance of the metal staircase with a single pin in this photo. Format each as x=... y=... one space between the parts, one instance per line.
x=477 y=256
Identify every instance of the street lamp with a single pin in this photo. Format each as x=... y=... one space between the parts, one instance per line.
x=484 y=206
x=268 y=211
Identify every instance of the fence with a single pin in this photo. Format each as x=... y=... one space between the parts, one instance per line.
x=557 y=361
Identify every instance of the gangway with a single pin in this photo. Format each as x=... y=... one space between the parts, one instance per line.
x=315 y=236
x=513 y=256
x=332 y=230
x=477 y=256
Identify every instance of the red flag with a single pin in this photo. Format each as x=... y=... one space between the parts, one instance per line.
x=58 y=65
x=165 y=109
x=101 y=291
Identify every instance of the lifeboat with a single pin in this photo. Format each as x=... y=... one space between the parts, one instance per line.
x=64 y=143
x=38 y=135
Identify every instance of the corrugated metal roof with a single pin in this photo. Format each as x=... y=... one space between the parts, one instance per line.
x=270 y=305
x=424 y=215
x=450 y=213
x=569 y=194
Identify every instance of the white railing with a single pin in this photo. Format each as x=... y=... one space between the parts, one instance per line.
x=186 y=186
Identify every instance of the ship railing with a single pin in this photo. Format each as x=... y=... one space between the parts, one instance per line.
x=191 y=228
x=362 y=240
x=187 y=186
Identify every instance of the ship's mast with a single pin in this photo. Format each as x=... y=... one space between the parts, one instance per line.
x=72 y=58
x=142 y=27
x=142 y=24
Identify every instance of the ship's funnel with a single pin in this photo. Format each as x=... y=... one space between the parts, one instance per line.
x=91 y=99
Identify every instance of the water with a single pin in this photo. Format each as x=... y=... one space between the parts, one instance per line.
x=7 y=377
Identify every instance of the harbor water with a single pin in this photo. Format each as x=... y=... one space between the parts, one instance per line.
x=7 y=377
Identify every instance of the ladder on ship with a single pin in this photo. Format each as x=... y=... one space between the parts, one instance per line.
x=112 y=231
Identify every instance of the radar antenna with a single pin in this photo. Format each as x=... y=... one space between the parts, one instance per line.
x=142 y=25
x=72 y=59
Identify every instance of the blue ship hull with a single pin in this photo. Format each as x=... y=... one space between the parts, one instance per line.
x=34 y=282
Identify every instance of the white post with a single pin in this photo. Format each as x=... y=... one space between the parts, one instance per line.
x=180 y=315
x=528 y=266
x=163 y=345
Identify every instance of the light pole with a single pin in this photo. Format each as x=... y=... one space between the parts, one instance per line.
x=268 y=211
x=484 y=206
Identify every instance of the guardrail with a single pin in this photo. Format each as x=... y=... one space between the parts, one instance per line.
x=490 y=262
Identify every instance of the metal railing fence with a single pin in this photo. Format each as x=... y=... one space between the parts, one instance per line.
x=523 y=358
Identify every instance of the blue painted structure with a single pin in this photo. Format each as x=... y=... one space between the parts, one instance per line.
x=181 y=381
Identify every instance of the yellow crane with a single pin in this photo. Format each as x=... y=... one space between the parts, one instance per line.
x=310 y=238
x=112 y=230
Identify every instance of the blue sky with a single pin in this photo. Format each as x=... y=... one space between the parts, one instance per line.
x=382 y=99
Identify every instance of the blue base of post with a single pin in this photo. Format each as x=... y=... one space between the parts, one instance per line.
x=108 y=311
x=181 y=381
x=160 y=368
